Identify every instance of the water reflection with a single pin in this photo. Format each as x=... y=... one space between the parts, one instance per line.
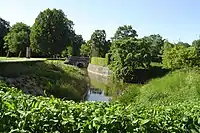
x=103 y=88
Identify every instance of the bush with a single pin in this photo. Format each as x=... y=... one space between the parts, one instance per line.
x=180 y=57
x=98 y=61
x=128 y=55
x=107 y=58
x=25 y=113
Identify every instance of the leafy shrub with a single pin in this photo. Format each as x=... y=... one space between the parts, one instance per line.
x=128 y=55
x=25 y=113
x=180 y=57
x=98 y=61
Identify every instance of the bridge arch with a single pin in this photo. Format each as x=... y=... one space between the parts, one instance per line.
x=80 y=64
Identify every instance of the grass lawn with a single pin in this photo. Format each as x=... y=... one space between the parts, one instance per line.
x=17 y=59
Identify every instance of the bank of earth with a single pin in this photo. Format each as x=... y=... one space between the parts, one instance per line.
x=45 y=78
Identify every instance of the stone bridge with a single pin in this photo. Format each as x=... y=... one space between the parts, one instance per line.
x=81 y=62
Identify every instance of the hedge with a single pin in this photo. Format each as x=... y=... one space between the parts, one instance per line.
x=98 y=61
x=25 y=113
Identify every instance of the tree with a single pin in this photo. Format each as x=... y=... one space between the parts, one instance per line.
x=183 y=44
x=124 y=32
x=196 y=44
x=85 y=50
x=98 y=42
x=128 y=55
x=4 y=28
x=76 y=44
x=17 y=39
x=155 y=42
x=179 y=56
x=51 y=32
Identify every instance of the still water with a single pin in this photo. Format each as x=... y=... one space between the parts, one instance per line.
x=103 y=88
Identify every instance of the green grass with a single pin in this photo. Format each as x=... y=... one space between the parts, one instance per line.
x=56 y=78
x=175 y=87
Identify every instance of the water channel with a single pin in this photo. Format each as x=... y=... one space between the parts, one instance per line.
x=103 y=88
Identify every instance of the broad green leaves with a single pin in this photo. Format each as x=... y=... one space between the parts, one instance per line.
x=24 y=113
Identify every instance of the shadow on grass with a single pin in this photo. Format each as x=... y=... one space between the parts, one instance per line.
x=55 y=78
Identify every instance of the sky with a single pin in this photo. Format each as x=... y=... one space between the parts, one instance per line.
x=175 y=20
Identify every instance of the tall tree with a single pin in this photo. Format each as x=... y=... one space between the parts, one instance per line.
x=183 y=44
x=51 y=32
x=85 y=50
x=76 y=44
x=98 y=42
x=128 y=55
x=196 y=44
x=4 y=28
x=124 y=32
x=18 y=39
x=155 y=42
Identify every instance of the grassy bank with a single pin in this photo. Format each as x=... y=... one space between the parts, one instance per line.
x=53 y=77
x=175 y=87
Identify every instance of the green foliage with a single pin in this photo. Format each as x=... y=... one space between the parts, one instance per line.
x=4 y=28
x=85 y=50
x=69 y=51
x=98 y=61
x=107 y=58
x=196 y=44
x=155 y=44
x=127 y=55
x=51 y=32
x=183 y=44
x=98 y=43
x=17 y=39
x=176 y=87
x=180 y=56
x=25 y=113
x=54 y=77
x=76 y=45
x=124 y=32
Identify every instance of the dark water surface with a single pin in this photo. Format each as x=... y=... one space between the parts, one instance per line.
x=103 y=88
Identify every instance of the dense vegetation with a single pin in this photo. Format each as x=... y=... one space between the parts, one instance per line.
x=166 y=104
x=176 y=87
x=53 y=77
x=25 y=113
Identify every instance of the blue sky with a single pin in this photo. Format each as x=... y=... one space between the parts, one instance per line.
x=173 y=19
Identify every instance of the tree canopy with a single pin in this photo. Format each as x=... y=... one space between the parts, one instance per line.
x=85 y=50
x=128 y=55
x=98 y=43
x=51 y=32
x=179 y=56
x=155 y=44
x=4 y=28
x=77 y=41
x=124 y=32
x=17 y=39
